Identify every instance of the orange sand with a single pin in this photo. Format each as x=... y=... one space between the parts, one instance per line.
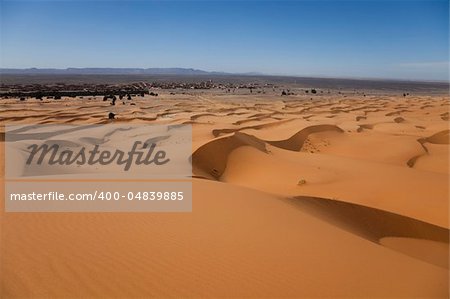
x=330 y=197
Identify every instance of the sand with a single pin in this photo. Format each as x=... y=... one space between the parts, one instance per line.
x=334 y=196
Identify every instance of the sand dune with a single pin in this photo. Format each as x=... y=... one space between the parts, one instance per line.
x=236 y=242
x=439 y=154
x=218 y=132
x=376 y=225
x=442 y=137
x=211 y=158
x=328 y=195
x=297 y=140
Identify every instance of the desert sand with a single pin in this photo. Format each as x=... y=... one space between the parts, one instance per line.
x=329 y=195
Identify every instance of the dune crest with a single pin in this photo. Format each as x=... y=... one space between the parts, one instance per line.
x=211 y=158
x=441 y=138
x=295 y=143
x=375 y=225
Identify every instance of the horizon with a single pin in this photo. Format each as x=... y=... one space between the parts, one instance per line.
x=325 y=39
x=205 y=73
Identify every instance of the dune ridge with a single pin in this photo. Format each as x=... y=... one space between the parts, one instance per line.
x=211 y=158
x=375 y=224
x=297 y=140
x=441 y=137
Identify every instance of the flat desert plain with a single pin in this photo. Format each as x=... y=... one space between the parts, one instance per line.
x=328 y=195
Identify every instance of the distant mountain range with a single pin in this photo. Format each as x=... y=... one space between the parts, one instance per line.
x=114 y=71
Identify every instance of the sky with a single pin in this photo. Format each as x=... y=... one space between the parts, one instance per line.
x=405 y=39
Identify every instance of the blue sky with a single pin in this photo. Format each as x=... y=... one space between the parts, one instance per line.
x=371 y=39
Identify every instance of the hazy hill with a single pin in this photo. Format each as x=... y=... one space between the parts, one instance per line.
x=108 y=71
